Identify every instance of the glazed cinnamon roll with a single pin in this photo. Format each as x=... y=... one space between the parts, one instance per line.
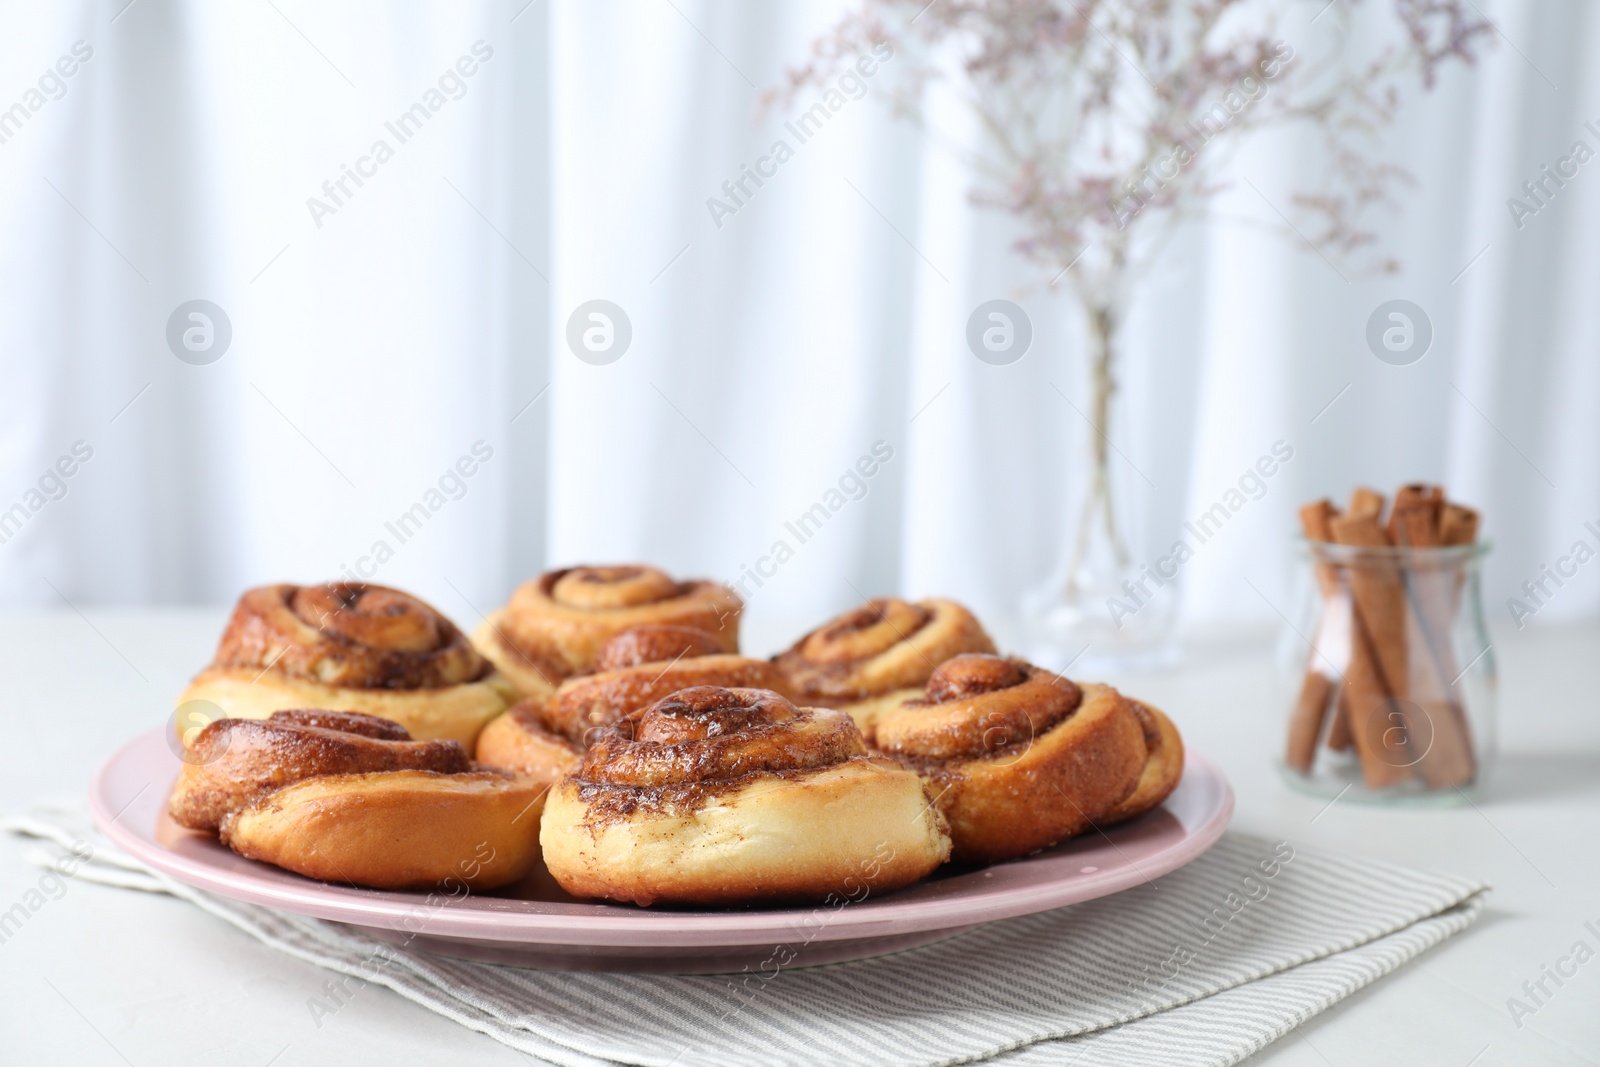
x=544 y=738
x=1018 y=757
x=735 y=796
x=345 y=797
x=554 y=625
x=351 y=647
x=879 y=654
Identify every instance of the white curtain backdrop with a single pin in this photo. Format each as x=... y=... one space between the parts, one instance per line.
x=377 y=344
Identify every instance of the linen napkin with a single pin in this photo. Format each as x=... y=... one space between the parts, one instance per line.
x=1201 y=967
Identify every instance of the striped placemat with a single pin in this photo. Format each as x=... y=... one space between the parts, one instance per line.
x=1203 y=966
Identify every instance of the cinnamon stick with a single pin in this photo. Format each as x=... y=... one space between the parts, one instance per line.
x=1305 y=724
x=1339 y=729
x=1311 y=709
x=1415 y=506
x=1316 y=520
x=1378 y=672
x=1447 y=754
x=1365 y=503
x=1457 y=525
x=1445 y=758
x=1329 y=661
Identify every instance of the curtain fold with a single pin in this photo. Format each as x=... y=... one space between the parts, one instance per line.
x=787 y=334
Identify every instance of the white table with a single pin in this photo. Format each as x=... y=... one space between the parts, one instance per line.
x=104 y=976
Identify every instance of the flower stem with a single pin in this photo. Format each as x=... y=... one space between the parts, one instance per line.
x=1103 y=325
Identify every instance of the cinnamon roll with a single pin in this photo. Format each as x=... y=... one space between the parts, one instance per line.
x=1018 y=757
x=1162 y=769
x=345 y=797
x=554 y=625
x=520 y=742
x=544 y=738
x=396 y=829
x=735 y=796
x=351 y=647
x=879 y=654
x=234 y=761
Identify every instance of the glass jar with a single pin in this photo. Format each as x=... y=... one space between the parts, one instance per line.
x=1388 y=675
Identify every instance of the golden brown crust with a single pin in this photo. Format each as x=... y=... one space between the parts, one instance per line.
x=639 y=645
x=881 y=646
x=1018 y=757
x=233 y=762
x=717 y=795
x=519 y=742
x=1162 y=769
x=396 y=830
x=586 y=704
x=451 y=713
x=835 y=834
x=347 y=635
x=349 y=647
x=341 y=797
x=531 y=674
x=556 y=623
x=635 y=668
x=867 y=712
x=975 y=705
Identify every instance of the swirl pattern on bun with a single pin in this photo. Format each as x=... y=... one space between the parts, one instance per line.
x=635 y=668
x=349 y=647
x=724 y=796
x=234 y=761
x=553 y=626
x=1019 y=757
x=879 y=654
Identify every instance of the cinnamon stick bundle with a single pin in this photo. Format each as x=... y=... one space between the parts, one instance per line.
x=1394 y=699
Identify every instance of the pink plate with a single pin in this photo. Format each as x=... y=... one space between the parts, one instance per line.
x=535 y=924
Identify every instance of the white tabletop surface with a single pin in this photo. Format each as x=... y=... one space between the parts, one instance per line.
x=106 y=976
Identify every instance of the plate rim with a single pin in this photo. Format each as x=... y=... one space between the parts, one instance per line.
x=613 y=927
